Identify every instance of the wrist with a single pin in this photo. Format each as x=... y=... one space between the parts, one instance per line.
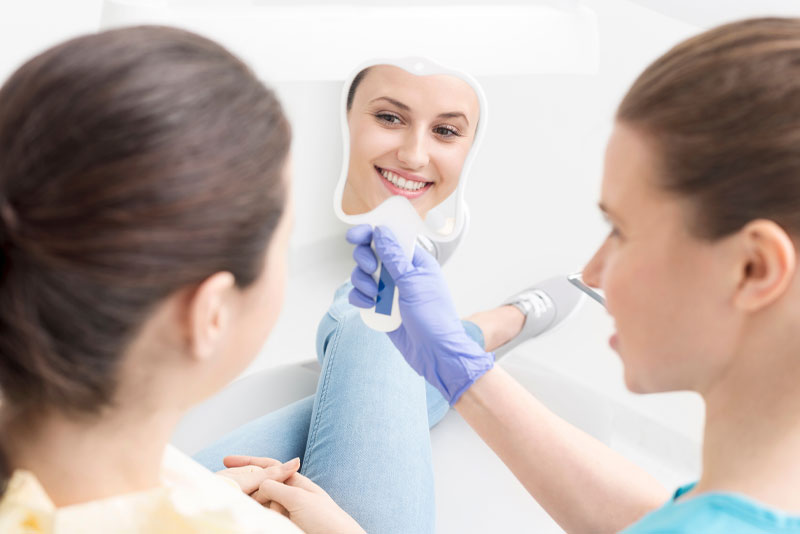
x=473 y=366
x=479 y=395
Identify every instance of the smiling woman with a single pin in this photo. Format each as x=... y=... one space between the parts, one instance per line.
x=409 y=136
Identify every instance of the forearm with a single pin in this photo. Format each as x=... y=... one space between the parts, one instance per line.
x=583 y=484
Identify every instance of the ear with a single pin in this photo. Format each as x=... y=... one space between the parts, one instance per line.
x=208 y=314
x=768 y=265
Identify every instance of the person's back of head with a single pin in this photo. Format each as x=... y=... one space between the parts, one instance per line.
x=723 y=110
x=133 y=163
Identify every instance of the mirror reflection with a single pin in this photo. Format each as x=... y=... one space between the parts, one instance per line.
x=409 y=136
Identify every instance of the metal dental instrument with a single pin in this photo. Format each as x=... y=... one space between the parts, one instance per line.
x=576 y=279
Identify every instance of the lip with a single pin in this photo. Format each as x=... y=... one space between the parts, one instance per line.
x=393 y=189
x=407 y=175
x=613 y=341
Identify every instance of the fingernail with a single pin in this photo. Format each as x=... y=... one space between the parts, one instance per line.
x=293 y=461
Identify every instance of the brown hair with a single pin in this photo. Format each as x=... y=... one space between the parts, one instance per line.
x=133 y=163
x=723 y=110
x=351 y=92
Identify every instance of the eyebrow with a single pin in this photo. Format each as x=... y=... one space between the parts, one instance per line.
x=404 y=107
x=393 y=101
x=452 y=115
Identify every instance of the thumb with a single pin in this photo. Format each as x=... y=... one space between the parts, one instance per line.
x=249 y=477
x=391 y=253
x=239 y=460
x=289 y=497
x=359 y=235
x=423 y=258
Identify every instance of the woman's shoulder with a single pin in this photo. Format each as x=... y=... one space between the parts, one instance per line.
x=715 y=513
x=191 y=500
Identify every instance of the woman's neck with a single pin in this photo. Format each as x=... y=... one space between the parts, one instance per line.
x=752 y=430
x=81 y=461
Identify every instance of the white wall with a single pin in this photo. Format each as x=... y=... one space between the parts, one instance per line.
x=29 y=26
x=532 y=193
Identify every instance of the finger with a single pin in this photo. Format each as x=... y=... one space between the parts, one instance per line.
x=238 y=460
x=391 y=253
x=359 y=235
x=360 y=300
x=283 y=471
x=364 y=283
x=249 y=478
x=423 y=258
x=278 y=507
x=239 y=470
x=365 y=258
x=271 y=490
x=303 y=482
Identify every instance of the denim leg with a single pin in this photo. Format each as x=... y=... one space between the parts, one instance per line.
x=364 y=436
x=368 y=444
x=281 y=434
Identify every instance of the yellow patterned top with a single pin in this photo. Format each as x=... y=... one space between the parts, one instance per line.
x=191 y=500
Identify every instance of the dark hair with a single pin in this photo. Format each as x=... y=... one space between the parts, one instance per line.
x=351 y=93
x=133 y=163
x=723 y=111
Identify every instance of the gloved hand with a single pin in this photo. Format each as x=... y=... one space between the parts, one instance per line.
x=431 y=338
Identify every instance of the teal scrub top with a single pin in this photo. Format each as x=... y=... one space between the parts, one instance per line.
x=714 y=513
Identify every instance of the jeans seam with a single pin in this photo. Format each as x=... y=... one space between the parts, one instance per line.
x=322 y=395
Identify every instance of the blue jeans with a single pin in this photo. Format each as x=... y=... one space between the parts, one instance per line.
x=363 y=437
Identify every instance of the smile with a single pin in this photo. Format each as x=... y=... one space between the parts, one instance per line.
x=400 y=185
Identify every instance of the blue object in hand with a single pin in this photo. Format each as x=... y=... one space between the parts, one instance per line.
x=383 y=304
x=431 y=338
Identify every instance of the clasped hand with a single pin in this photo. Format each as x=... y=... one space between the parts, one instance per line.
x=280 y=487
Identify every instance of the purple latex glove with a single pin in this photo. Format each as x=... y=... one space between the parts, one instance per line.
x=432 y=338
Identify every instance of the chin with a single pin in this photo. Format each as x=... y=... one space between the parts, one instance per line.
x=634 y=384
x=644 y=385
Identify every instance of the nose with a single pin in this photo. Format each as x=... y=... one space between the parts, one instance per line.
x=413 y=153
x=592 y=273
x=590 y=278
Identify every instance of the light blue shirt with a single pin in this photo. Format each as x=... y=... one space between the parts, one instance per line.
x=715 y=513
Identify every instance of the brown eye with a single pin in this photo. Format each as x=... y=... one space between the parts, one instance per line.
x=388 y=118
x=446 y=131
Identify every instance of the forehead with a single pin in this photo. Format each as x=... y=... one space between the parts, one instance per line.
x=436 y=93
x=630 y=182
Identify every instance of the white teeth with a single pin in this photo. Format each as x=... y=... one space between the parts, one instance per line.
x=402 y=183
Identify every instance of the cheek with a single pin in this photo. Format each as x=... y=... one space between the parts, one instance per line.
x=450 y=162
x=271 y=300
x=261 y=314
x=668 y=320
x=371 y=141
x=646 y=306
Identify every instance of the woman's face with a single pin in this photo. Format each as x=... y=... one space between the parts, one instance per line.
x=409 y=136
x=668 y=292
